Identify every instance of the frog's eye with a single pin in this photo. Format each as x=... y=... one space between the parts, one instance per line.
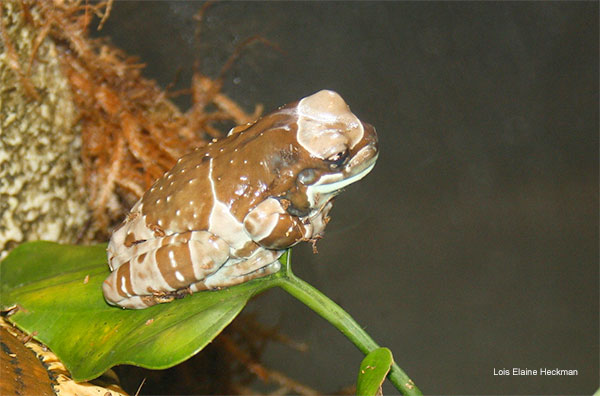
x=307 y=176
x=337 y=160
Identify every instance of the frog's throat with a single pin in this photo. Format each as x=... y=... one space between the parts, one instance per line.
x=320 y=193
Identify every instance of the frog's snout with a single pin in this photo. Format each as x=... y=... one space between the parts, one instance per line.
x=365 y=154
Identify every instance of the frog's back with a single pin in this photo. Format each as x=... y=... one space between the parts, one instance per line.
x=181 y=200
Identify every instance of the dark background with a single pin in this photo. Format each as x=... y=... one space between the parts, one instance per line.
x=473 y=245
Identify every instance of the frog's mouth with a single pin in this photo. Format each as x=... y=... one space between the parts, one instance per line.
x=331 y=184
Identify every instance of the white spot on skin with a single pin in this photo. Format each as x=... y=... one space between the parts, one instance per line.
x=172 y=259
x=239 y=191
x=179 y=276
x=191 y=181
x=159 y=222
x=178 y=212
x=245 y=161
x=158 y=201
x=195 y=215
x=168 y=198
x=170 y=176
x=192 y=203
x=182 y=171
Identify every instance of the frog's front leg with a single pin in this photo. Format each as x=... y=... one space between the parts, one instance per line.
x=271 y=226
x=160 y=267
x=274 y=230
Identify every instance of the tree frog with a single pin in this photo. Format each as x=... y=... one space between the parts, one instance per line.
x=226 y=212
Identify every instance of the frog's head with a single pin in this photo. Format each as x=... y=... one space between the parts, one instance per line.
x=343 y=149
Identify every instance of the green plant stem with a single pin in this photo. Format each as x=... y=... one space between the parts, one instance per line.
x=335 y=315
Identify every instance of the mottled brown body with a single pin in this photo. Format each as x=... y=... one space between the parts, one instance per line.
x=224 y=213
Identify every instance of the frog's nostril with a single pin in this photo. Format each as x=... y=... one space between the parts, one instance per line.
x=370 y=134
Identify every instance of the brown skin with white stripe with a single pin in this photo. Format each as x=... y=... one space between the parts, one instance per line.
x=225 y=213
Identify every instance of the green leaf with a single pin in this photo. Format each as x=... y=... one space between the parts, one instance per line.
x=373 y=370
x=58 y=291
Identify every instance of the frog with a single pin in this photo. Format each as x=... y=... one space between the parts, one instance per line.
x=226 y=212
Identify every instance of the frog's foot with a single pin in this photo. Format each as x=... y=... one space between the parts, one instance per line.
x=262 y=263
x=164 y=271
x=314 y=241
